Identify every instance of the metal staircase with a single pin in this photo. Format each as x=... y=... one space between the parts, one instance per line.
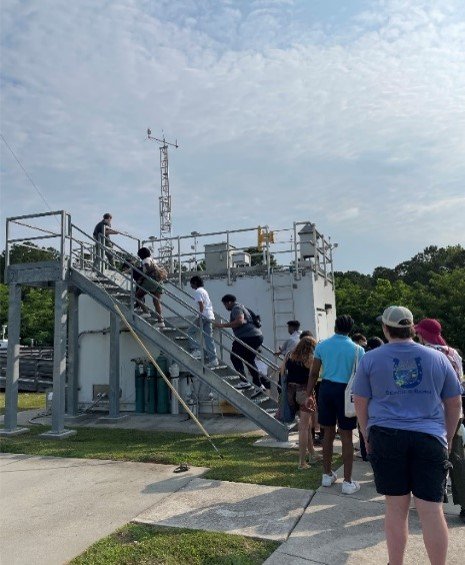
x=253 y=403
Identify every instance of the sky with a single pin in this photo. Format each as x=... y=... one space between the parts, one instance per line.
x=348 y=114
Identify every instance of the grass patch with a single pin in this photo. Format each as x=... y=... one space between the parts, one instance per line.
x=143 y=545
x=26 y=401
x=242 y=462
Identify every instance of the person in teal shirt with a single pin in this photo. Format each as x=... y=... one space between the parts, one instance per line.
x=335 y=358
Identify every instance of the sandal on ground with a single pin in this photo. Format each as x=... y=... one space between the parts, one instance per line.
x=303 y=467
x=183 y=467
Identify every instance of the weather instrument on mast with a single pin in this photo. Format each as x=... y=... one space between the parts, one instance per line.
x=166 y=246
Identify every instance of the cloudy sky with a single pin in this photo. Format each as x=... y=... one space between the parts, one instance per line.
x=350 y=114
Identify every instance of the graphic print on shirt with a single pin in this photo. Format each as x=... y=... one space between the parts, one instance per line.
x=408 y=373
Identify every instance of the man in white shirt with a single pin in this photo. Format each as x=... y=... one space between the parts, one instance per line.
x=205 y=323
x=293 y=327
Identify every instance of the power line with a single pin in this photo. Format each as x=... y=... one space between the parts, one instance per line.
x=26 y=173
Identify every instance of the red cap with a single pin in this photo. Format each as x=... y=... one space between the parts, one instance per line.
x=430 y=331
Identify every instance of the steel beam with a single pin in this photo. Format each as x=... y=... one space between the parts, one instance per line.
x=12 y=367
x=72 y=373
x=58 y=430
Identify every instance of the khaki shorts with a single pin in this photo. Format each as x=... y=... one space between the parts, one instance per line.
x=151 y=285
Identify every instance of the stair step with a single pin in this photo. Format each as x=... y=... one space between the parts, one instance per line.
x=260 y=399
x=231 y=378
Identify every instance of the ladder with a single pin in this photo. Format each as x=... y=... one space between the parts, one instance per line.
x=282 y=288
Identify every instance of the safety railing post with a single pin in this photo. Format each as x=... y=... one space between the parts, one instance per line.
x=268 y=258
x=296 y=255
x=179 y=263
x=7 y=249
x=228 y=257
x=316 y=265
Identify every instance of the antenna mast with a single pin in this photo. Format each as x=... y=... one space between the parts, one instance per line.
x=166 y=247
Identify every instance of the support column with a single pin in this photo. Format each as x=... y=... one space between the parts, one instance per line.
x=12 y=364
x=72 y=389
x=114 y=380
x=58 y=430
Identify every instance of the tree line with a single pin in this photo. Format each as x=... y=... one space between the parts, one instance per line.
x=431 y=284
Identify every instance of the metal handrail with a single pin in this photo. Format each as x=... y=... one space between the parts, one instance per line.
x=134 y=285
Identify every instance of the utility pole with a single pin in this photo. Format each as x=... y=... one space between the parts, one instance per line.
x=166 y=246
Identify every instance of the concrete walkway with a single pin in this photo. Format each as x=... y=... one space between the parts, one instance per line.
x=52 y=509
x=337 y=529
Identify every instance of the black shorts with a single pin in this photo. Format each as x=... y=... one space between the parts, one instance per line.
x=331 y=406
x=406 y=462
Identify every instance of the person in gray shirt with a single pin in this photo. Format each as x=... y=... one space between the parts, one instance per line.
x=243 y=327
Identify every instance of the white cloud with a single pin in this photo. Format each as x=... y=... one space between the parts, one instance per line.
x=338 y=121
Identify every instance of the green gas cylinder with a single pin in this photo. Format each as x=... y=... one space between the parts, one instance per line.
x=151 y=390
x=163 y=392
x=140 y=387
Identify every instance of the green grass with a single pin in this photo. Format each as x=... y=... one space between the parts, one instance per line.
x=26 y=401
x=242 y=462
x=141 y=545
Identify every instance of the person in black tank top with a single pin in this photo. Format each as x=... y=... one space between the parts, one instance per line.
x=297 y=366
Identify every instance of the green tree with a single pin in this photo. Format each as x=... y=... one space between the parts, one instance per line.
x=431 y=284
x=37 y=314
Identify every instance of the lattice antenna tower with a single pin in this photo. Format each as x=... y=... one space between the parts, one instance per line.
x=166 y=246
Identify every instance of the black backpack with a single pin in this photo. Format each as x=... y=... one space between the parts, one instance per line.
x=256 y=320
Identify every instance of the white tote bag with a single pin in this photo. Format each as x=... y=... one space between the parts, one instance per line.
x=349 y=406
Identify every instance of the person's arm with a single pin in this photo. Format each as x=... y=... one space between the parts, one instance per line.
x=361 y=409
x=237 y=322
x=201 y=306
x=110 y=231
x=452 y=412
x=314 y=374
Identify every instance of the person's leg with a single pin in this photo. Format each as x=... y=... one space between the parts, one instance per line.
x=434 y=529
x=249 y=358
x=110 y=259
x=140 y=302
x=236 y=359
x=304 y=424
x=192 y=334
x=396 y=527
x=429 y=468
x=156 y=297
x=345 y=429
x=328 y=442
x=327 y=419
x=347 y=453
x=210 y=349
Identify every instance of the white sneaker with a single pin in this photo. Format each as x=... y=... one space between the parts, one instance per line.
x=196 y=354
x=146 y=315
x=160 y=324
x=328 y=480
x=350 y=488
x=213 y=363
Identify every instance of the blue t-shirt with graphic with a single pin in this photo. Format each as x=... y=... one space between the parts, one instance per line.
x=337 y=355
x=406 y=383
